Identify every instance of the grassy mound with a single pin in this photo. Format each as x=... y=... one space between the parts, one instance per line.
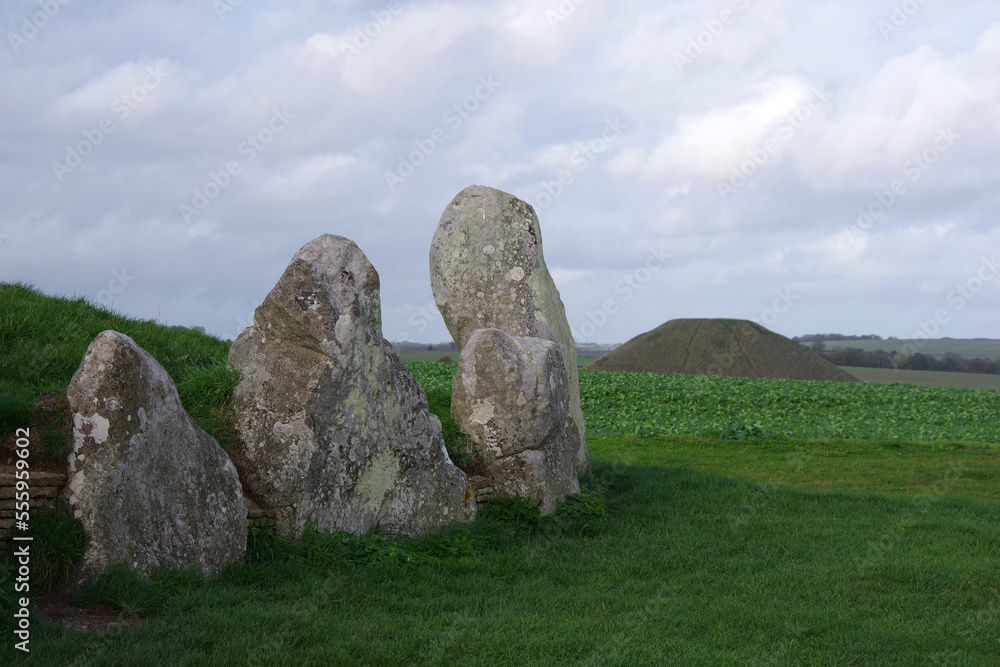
x=43 y=339
x=735 y=348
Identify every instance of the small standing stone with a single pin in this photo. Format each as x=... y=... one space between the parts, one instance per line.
x=511 y=398
x=150 y=487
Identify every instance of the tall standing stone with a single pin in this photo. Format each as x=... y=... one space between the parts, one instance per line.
x=487 y=271
x=149 y=486
x=335 y=430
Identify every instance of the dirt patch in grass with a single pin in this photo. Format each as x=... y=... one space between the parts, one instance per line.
x=58 y=610
x=51 y=435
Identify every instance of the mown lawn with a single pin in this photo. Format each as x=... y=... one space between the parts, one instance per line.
x=688 y=566
x=889 y=468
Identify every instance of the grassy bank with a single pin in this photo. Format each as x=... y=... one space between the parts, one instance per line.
x=43 y=339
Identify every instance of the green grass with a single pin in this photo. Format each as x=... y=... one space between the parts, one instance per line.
x=56 y=543
x=662 y=404
x=888 y=468
x=928 y=378
x=689 y=549
x=690 y=567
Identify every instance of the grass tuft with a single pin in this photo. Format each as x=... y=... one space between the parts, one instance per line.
x=122 y=589
x=205 y=392
x=57 y=544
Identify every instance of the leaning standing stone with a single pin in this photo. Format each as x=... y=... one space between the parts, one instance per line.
x=487 y=271
x=150 y=487
x=336 y=431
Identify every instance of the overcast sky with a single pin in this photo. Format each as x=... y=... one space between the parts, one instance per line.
x=685 y=159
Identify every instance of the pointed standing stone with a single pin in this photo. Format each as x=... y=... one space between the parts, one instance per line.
x=335 y=430
x=150 y=487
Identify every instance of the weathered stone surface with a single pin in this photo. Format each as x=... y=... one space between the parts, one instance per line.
x=487 y=271
x=336 y=429
x=150 y=487
x=511 y=398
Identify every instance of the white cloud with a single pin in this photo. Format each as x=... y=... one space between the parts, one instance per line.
x=899 y=113
x=688 y=128
x=711 y=144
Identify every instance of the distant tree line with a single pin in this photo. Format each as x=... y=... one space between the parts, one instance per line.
x=953 y=362
x=812 y=338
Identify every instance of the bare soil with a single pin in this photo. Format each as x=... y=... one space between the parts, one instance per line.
x=51 y=435
x=58 y=610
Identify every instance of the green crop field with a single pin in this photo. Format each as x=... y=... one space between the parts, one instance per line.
x=970 y=348
x=662 y=404
x=727 y=521
x=929 y=378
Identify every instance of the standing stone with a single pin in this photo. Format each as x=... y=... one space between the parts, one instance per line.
x=487 y=271
x=511 y=397
x=150 y=487
x=335 y=430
